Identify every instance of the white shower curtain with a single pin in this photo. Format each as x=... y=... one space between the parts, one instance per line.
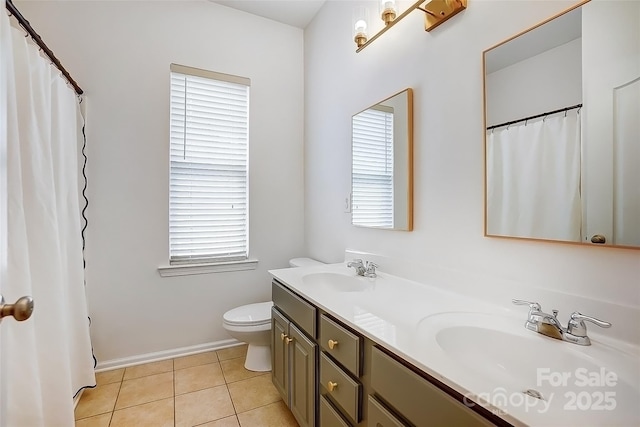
x=533 y=179
x=47 y=358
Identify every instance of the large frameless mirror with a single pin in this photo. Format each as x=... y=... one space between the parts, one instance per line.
x=382 y=164
x=562 y=136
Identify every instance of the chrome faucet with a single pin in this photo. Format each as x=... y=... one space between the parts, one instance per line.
x=549 y=325
x=358 y=265
x=366 y=268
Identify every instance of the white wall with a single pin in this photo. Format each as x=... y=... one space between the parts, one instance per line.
x=120 y=52
x=445 y=69
x=545 y=82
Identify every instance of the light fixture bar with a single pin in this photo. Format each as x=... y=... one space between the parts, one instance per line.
x=391 y=24
x=436 y=12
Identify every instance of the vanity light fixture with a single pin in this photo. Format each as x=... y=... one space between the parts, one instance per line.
x=360 y=20
x=436 y=12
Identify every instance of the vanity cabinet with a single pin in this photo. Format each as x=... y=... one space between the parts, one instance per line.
x=413 y=397
x=294 y=355
x=331 y=376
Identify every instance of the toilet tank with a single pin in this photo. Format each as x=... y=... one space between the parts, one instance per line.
x=303 y=262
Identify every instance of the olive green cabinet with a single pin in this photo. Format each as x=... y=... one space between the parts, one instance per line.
x=294 y=363
x=332 y=376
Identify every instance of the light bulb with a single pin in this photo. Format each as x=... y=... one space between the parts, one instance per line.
x=361 y=26
x=388 y=4
x=387 y=11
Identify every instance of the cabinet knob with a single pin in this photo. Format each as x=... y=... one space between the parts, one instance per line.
x=288 y=340
x=331 y=385
x=332 y=344
x=282 y=336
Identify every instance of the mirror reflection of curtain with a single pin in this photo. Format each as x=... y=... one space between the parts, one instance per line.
x=626 y=147
x=372 y=174
x=533 y=179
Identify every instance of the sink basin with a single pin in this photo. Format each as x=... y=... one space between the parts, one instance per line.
x=338 y=282
x=501 y=361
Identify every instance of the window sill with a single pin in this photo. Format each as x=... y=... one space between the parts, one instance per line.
x=219 y=267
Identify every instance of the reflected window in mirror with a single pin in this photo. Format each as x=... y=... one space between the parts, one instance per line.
x=562 y=151
x=381 y=168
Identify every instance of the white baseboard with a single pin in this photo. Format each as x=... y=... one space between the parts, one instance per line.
x=124 y=362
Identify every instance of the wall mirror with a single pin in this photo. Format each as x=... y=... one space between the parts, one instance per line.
x=382 y=164
x=562 y=116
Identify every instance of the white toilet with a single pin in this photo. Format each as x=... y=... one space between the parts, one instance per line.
x=251 y=323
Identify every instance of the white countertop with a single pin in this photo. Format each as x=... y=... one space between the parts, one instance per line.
x=399 y=314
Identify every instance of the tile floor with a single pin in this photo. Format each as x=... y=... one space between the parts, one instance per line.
x=209 y=389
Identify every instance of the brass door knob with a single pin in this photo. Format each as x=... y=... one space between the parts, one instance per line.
x=20 y=311
x=332 y=344
x=332 y=386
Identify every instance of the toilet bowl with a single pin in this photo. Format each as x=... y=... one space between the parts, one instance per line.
x=251 y=324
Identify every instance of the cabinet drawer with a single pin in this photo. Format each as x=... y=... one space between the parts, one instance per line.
x=300 y=311
x=419 y=401
x=346 y=345
x=378 y=416
x=329 y=417
x=341 y=387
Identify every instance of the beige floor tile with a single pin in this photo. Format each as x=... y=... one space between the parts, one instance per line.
x=198 y=378
x=253 y=393
x=203 y=406
x=109 y=377
x=273 y=415
x=195 y=360
x=97 y=421
x=224 y=422
x=153 y=414
x=96 y=401
x=232 y=352
x=145 y=389
x=148 y=369
x=234 y=370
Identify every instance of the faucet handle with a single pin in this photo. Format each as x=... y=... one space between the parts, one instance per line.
x=533 y=306
x=355 y=261
x=578 y=328
x=371 y=269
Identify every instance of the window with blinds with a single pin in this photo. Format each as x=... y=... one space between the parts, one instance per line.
x=208 y=195
x=372 y=173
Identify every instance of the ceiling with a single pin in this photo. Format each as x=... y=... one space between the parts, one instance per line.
x=561 y=30
x=297 y=13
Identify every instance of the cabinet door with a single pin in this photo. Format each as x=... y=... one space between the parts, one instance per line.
x=302 y=357
x=280 y=354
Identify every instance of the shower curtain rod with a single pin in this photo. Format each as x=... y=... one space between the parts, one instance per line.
x=36 y=38
x=537 y=116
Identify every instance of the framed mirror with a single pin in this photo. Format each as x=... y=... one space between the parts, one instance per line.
x=382 y=164
x=562 y=141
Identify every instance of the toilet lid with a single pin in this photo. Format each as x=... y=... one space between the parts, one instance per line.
x=249 y=315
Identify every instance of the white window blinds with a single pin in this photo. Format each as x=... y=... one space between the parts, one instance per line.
x=372 y=173
x=208 y=206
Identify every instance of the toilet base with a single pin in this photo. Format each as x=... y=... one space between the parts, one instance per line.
x=258 y=358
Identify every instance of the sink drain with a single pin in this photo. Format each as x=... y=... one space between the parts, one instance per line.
x=533 y=393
